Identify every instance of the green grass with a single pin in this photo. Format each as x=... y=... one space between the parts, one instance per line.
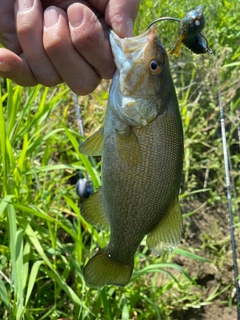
x=44 y=241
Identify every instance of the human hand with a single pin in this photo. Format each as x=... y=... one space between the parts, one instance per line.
x=68 y=42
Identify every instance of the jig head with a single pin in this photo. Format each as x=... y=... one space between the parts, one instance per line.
x=189 y=32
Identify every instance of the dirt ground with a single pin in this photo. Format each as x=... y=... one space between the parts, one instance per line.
x=208 y=232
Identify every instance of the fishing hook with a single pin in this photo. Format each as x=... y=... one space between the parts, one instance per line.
x=163 y=19
x=194 y=43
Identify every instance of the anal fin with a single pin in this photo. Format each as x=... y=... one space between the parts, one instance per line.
x=92 y=211
x=167 y=234
x=94 y=144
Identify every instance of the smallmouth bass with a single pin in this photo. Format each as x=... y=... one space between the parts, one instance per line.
x=141 y=145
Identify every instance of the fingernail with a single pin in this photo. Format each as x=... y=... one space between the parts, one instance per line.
x=4 y=67
x=76 y=18
x=124 y=29
x=51 y=17
x=129 y=29
x=25 y=5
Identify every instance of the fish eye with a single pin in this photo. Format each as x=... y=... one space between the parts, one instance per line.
x=154 y=67
x=197 y=23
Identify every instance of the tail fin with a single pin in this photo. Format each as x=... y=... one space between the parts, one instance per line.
x=103 y=270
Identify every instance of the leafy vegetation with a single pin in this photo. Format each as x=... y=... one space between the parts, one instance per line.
x=44 y=241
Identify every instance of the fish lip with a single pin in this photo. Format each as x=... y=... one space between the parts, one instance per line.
x=126 y=49
x=134 y=40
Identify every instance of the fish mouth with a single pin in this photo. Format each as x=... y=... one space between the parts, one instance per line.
x=133 y=90
x=126 y=49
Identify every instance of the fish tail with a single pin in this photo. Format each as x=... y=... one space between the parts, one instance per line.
x=103 y=270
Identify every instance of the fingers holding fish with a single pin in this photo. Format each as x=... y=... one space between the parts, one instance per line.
x=44 y=48
x=28 y=31
x=26 y=64
x=90 y=37
x=72 y=67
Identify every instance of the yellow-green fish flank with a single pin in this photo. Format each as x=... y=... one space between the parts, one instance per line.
x=141 y=145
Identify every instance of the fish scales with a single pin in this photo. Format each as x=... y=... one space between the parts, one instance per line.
x=142 y=156
x=160 y=174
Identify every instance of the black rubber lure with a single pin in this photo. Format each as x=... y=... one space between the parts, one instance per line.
x=189 y=32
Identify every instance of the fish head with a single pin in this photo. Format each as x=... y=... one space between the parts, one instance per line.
x=142 y=69
x=193 y=23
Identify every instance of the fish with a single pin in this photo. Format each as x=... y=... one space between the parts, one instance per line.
x=141 y=144
x=190 y=33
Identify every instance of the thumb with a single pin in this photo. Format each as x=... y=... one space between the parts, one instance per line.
x=120 y=16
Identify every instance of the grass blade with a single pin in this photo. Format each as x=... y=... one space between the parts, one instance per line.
x=16 y=252
x=4 y=294
x=32 y=279
x=53 y=273
x=189 y=255
x=19 y=272
x=5 y=201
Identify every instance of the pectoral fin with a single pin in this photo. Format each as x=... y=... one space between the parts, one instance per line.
x=128 y=146
x=167 y=233
x=93 y=145
x=93 y=212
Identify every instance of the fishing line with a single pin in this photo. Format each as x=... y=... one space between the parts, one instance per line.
x=238 y=128
x=191 y=45
x=84 y=186
x=228 y=186
x=78 y=115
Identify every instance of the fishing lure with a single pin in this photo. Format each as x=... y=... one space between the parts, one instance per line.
x=189 y=32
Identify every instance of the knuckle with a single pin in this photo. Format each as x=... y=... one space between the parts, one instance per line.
x=23 y=81
x=117 y=19
x=108 y=73
x=82 y=36
x=104 y=66
x=46 y=77
x=50 y=82
x=24 y=29
x=53 y=45
x=84 y=89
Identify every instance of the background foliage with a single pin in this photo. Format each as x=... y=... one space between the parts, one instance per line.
x=44 y=241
